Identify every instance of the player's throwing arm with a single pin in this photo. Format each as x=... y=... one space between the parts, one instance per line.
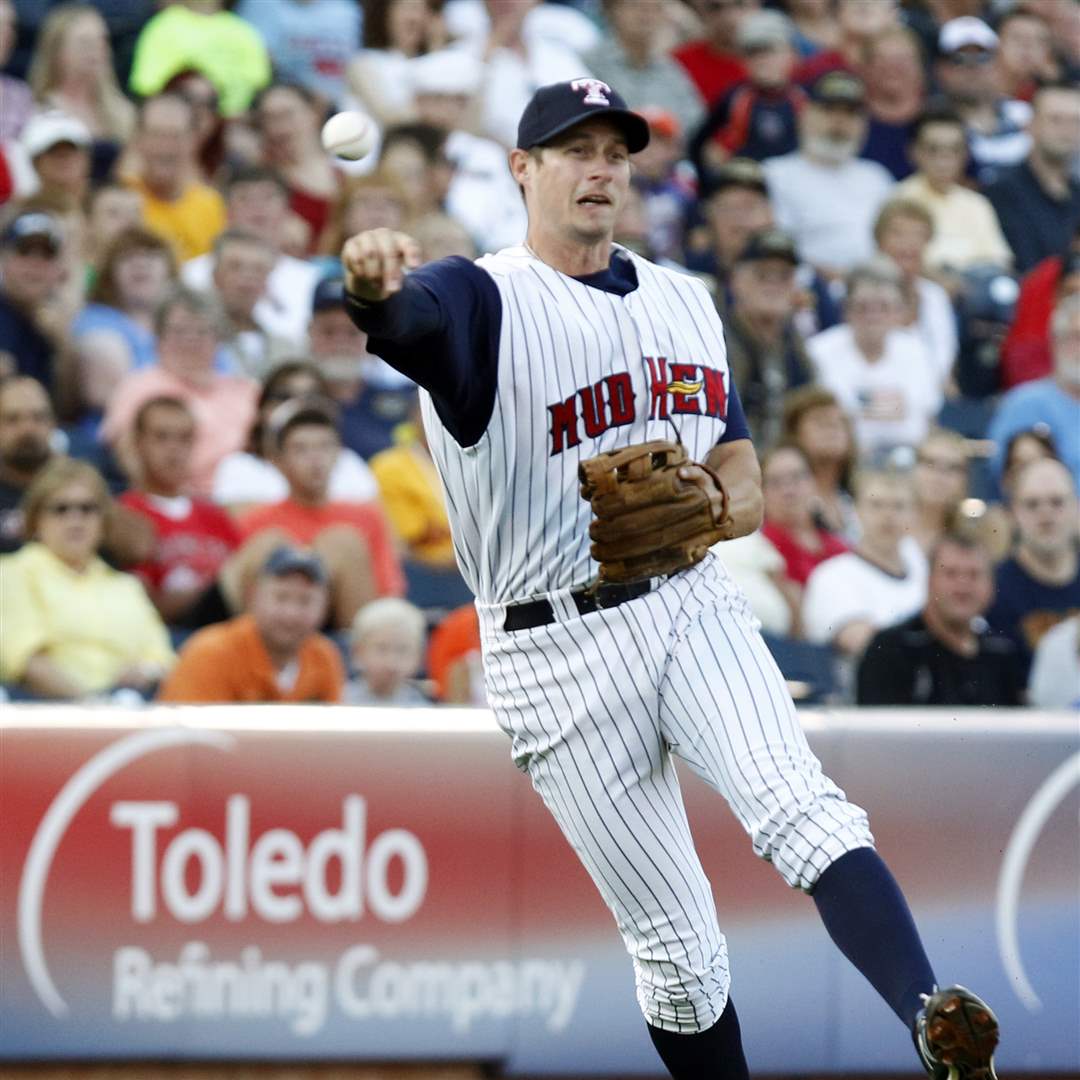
x=376 y=261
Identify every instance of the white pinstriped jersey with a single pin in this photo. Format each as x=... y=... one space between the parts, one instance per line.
x=580 y=371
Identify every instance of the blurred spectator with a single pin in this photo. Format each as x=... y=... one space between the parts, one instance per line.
x=354 y=539
x=1064 y=23
x=789 y=525
x=413 y=159
x=1053 y=401
x=1025 y=53
x=713 y=60
x=940 y=482
x=73 y=626
x=413 y=496
x=112 y=207
x=188 y=328
x=372 y=396
x=850 y=597
x=735 y=205
x=985 y=302
x=310 y=41
x=882 y=375
x=58 y=146
x=274 y=652
x=1038 y=201
x=192 y=536
x=1025 y=354
x=366 y=202
x=757 y=117
x=1055 y=671
x=394 y=32
x=257 y=201
x=210 y=129
x=1039 y=585
x=250 y=478
x=630 y=57
x=516 y=63
x=966 y=230
x=440 y=236
x=72 y=72
x=1033 y=444
x=454 y=658
x=895 y=95
x=816 y=28
x=289 y=120
x=175 y=203
x=903 y=231
x=967 y=72
x=16 y=95
x=387 y=647
x=481 y=195
x=28 y=434
x=667 y=184
x=859 y=22
x=31 y=273
x=114 y=334
x=814 y=422
x=765 y=352
x=945 y=655
x=201 y=36
x=823 y=194
x=243 y=261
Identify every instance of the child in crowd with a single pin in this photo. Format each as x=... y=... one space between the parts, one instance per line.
x=387 y=643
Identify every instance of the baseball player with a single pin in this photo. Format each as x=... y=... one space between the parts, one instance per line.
x=613 y=637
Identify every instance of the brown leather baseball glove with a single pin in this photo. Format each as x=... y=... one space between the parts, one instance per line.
x=648 y=520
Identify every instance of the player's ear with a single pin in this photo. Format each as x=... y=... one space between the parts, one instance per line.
x=520 y=164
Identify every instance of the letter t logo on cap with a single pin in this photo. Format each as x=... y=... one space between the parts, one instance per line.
x=595 y=91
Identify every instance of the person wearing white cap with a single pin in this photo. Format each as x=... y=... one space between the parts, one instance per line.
x=482 y=195
x=59 y=147
x=968 y=73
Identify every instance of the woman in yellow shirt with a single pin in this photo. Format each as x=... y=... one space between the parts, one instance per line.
x=70 y=625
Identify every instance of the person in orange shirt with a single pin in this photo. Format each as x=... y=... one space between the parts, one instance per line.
x=453 y=659
x=353 y=539
x=176 y=205
x=274 y=653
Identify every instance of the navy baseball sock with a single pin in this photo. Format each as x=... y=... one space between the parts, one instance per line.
x=714 y=1054
x=868 y=918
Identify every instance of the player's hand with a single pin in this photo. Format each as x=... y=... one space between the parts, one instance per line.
x=706 y=479
x=375 y=263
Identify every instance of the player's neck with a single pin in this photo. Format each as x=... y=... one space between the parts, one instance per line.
x=570 y=257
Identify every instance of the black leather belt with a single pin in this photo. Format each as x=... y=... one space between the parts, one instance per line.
x=534 y=613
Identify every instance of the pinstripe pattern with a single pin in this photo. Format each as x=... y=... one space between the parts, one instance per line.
x=691 y=676
x=520 y=529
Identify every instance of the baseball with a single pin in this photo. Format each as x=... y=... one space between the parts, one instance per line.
x=349 y=135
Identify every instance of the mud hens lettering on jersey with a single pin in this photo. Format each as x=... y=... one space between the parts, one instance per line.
x=674 y=388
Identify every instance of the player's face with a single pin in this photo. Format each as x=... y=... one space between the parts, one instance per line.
x=961 y=585
x=288 y=610
x=164 y=446
x=575 y=187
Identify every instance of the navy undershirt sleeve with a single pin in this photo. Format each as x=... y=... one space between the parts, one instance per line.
x=442 y=330
x=737 y=427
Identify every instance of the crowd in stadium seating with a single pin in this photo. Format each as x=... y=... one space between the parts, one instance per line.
x=211 y=491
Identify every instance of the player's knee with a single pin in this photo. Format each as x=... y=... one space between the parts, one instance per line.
x=680 y=997
x=804 y=841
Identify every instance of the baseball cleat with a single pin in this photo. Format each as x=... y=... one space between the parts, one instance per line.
x=956 y=1034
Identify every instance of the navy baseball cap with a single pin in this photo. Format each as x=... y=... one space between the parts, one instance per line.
x=559 y=106
x=329 y=293
x=289 y=560
x=33 y=226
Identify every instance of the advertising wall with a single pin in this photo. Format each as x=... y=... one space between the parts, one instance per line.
x=310 y=883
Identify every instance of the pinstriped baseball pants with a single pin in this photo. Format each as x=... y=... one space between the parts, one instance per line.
x=596 y=705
